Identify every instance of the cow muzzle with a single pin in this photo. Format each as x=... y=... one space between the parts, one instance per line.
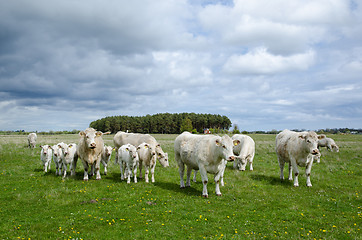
x=231 y=158
x=315 y=152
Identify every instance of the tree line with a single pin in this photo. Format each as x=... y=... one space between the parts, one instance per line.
x=162 y=123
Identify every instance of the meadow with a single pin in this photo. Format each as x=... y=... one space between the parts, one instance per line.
x=254 y=205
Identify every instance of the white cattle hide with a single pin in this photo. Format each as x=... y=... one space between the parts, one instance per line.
x=69 y=158
x=128 y=160
x=147 y=158
x=244 y=152
x=206 y=153
x=46 y=156
x=297 y=149
x=135 y=139
x=32 y=140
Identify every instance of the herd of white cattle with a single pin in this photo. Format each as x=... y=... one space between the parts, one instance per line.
x=203 y=153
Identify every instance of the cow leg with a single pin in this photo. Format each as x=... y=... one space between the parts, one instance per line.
x=135 y=173
x=204 y=178
x=217 y=184
x=73 y=166
x=251 y=163
x=86 y=167
x=147 y=171
x=153 y=173
x=296 y=172
x=121 y=167
x=290 y=177
x=195 y=172
x=65 y=171
x=140 y=167
x=308 y=170
x=97 y=168
x=181 y=169
x=105 y=166
x=116 y=160
x=188 y=175
x=128 y=169
x=281 y=166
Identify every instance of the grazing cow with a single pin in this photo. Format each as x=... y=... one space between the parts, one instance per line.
x=68 y=159
x=297 y=149
x=57 y=157
x=106 y=156
x=147 y=158
x=32 y=140
x=329 y=143
x=244 y=152
x=46 y=156
x=135 y=139
x=128 y=161
x=206 y=153
x=90 y=150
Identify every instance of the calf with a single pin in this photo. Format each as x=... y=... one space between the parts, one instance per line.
x=297 y=149
x=69 y=158
x=329 y=143
x=244 y=152
x=128 y=160
x=32 y=140
x=147 y=157
x=106 y=157
x=206 y=153
x=46 y=156
x=57 y=157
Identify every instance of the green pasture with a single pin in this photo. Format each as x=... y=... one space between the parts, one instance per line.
x=254 y=205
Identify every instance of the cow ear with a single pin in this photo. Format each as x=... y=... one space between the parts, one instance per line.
x=49 y=147
x=99 y=133
x=106 y=133
x=41 y=146
x=158 y=145
x=217 y=141
x=236 y=142
x=321 y=136
x=127 y=149
x=82 y=133
x=302 y=137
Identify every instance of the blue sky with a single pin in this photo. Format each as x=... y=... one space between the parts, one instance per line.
x=264 y=64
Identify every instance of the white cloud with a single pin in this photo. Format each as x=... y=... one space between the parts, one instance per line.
x=260 y=61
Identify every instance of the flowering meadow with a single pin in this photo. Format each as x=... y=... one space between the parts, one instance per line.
x=254 y=205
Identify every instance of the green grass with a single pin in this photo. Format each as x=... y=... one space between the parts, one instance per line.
x=254 y=205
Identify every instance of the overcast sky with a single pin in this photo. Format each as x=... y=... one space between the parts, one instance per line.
x=265 y=64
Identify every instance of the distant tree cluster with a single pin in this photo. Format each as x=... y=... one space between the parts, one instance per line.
x=163 y=123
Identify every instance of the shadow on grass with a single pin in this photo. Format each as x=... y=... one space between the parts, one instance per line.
x=271 y=180
x=190 y=191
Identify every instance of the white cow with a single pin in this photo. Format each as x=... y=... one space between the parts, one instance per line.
x=106 y=157
x=329 y=143
x=135 y=139
x=32 y=140
x=297 y=149
x=69 y=158
x=206 y=153
x=128 y=161
x=147 y=158
x=244 y=152
x=46 y=156
x=90 y=150
x=57 y=157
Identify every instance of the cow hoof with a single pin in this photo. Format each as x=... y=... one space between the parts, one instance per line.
x=296 y=185
x=85 y=180
x=182 y=187
x=219 y=195
x=309 y=185
x=205 y=196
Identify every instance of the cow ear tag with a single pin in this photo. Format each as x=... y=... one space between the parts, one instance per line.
x=70 y=146
x=127 y=149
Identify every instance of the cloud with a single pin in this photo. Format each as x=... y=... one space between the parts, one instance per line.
x=260 y=61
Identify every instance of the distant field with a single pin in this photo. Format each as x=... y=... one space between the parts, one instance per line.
x=254 y=205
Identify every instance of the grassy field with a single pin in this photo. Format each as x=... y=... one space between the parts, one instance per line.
x=255 y=204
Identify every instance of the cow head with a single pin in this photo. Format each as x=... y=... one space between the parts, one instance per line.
x=132 y=151
x=89 y=135
x=225 y=145
x=240 y=163
x=108 y=150
x=162 y=156
x=310 y=141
